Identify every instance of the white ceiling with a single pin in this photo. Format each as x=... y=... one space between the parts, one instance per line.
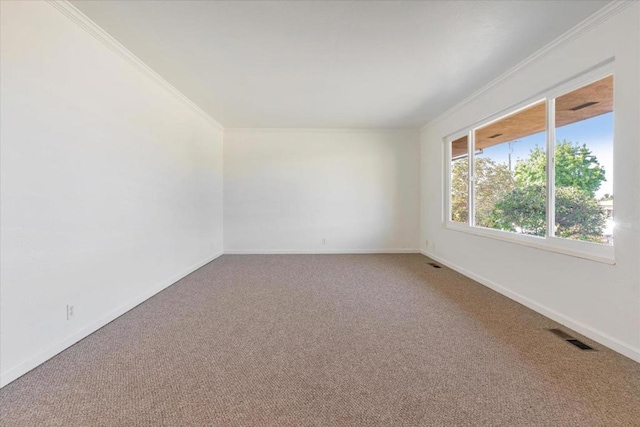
x=348 y=64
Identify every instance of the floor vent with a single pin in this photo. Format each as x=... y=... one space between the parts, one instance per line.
x=434 y=265
x=571 y=340
x=580 y=345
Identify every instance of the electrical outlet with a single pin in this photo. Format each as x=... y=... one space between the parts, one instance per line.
x=69 y=312
x=324 y=241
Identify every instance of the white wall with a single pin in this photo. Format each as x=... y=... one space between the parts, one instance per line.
x=111 y=185
x=602 y=301
x=286 y=190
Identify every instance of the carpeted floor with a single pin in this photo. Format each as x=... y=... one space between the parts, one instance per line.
x=327 y=340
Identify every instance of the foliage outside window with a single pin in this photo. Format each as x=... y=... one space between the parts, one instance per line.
x=510 y=169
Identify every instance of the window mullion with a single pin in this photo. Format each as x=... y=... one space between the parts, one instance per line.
x=472 y=148
x=448 y=184
x=551 y=166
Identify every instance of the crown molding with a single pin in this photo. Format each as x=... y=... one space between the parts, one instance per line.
x=598 y=17
x=324 y=130
x=102 y=36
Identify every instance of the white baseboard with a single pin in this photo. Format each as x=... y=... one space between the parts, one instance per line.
x=22 y=368
x=587 y=331
x=318 y=251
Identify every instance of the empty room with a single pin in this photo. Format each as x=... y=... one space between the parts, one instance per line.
x=319 y=213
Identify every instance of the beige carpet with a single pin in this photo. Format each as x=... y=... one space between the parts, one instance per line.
x=327 y=340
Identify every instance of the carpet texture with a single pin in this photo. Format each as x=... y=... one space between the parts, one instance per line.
x=327 y=340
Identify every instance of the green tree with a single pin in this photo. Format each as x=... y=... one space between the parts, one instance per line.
x=578 y=176
x=523 y=210
x=578 y=215
x=460 y=191
x=576 y=167
x=517 y=201
x=492 y=179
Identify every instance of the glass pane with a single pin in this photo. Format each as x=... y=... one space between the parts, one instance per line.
x=460 y=180
x=584 y=163
x=510 y=173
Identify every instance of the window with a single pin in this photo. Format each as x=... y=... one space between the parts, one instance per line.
x=503 y=181
x=505 y=196
x=460 y=180
x=584 y=163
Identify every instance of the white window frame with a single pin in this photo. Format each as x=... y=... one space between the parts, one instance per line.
x=577 y=248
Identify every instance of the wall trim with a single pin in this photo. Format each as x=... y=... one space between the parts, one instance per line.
x=323 y=130
x=318 y=251
x=589 y=332
x=574 y=33
x=83 y=21
x=22 y=368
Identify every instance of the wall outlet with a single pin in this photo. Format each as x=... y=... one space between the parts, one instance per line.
x=324 y=241
x=69 y=312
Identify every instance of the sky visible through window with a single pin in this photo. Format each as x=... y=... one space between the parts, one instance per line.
x=596 y=133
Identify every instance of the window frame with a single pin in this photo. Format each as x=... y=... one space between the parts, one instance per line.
x=577 y=248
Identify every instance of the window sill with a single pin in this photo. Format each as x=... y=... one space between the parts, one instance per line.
x=575 y=248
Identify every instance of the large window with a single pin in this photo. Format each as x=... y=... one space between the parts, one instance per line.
x=542 y=173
